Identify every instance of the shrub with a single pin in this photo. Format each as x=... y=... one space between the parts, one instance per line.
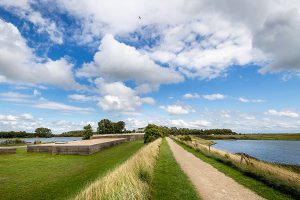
x=37 y=142
x=87 y=132
x=152 y=132
x=13 y=141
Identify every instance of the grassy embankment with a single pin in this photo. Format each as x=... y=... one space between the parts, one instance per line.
x=131 y=180
x=42 y=176
x=169 y=180
x=259 y=176
x=252 y=137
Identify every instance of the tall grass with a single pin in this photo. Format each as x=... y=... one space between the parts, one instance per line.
x=131 y=180
x=274 y=175
x=10 y=142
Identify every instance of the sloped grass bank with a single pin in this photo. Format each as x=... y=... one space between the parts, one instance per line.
x=169 y=181
x=37 y=176
x=245 y=178
x=131 y=180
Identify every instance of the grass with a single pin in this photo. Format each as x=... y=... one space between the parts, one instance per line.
x=12 y=142
x=247 y=179
x=253 y=137
x=37 y=176
x=131 y=180
x=169 y=180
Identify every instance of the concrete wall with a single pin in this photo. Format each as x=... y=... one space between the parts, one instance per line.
x=129 y=136
x=7 y=150
x=74 y=149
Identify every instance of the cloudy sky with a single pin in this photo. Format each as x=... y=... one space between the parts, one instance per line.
x=185 y=63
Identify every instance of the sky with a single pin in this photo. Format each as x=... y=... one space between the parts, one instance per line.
x=197 y=64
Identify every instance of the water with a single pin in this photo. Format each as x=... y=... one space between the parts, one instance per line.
x=277 y=151
x=53 y=139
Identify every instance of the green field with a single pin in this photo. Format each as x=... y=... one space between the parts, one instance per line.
x=257 y=186
x=252 y=137
x=169 y=180
x=29 y=176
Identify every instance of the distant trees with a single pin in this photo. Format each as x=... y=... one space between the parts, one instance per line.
x=87 y=132
x=105 y=126
x=43 y=132
x=152 y=132
x=15 y=134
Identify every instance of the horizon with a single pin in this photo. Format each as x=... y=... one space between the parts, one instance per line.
x=199 y=65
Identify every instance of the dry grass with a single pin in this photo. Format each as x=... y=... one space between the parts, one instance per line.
x=130 y=180
x=272 y=174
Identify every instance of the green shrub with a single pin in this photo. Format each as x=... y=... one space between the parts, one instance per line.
x=152 y=132
x=37 y=142
x=87 y=132
x=13 y=141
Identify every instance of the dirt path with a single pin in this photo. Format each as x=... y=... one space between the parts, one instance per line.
x=210 y=183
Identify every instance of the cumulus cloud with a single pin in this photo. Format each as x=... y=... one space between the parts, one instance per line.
x=116 y=96
x=44 y=25
x=178 y=109
x=213 y=97
x=19 y=64
x=284 y=113
x=120 y=62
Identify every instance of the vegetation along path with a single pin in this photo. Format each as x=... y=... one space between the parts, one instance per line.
x=210 y=183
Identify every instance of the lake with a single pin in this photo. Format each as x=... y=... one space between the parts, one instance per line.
x=53 y=139
x=277 y=151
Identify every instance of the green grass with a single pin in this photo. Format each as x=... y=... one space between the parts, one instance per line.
x=252 y=137
x=257 y=186
x=169 y=180
x=43 y=176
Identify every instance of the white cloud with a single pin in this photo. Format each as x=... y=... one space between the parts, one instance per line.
x=178 y=109
x=285 y=113
x=36 y=93
x=198 y=124
x=19 y=64
x=213 y=97
x=24 y=10
x=81 y=97
x=191 y=96
x=61 y=107
x=116 y=96
x=244 y=100
x=120 y=62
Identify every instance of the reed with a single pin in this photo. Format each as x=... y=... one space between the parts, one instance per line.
x=131 y=180
x=274 y=175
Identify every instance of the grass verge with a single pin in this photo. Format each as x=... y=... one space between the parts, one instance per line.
x=131 y=180
x=169 y=180
x=37 y=176
x=245 y=179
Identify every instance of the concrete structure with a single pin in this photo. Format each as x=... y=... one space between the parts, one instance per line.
x=140 y=130
x=128 y=136
x=8 y=150
x=84 y=147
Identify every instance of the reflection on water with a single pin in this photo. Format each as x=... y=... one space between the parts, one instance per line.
x=278 y=151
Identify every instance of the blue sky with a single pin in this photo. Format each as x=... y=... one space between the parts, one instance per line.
x=200 y=64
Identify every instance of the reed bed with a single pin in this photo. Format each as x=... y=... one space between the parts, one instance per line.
x=130 y=181
x=274 y=175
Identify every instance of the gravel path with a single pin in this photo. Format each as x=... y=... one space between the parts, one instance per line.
x=210 y=183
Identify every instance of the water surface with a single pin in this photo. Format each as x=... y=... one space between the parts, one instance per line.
x=277 y=151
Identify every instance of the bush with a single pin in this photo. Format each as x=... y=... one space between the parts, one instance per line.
x=152 y=132
x=13 y=141
x=87 y=132
x=37 y=142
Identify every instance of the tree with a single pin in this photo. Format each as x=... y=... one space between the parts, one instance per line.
x=87 y=132
x=43 y=132
x=152 y=132
x=105 y=126
x=118 y=127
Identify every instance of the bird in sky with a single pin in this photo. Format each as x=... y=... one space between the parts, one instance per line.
x=140 y=17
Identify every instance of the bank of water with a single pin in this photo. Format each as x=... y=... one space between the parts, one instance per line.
x=276 y=151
